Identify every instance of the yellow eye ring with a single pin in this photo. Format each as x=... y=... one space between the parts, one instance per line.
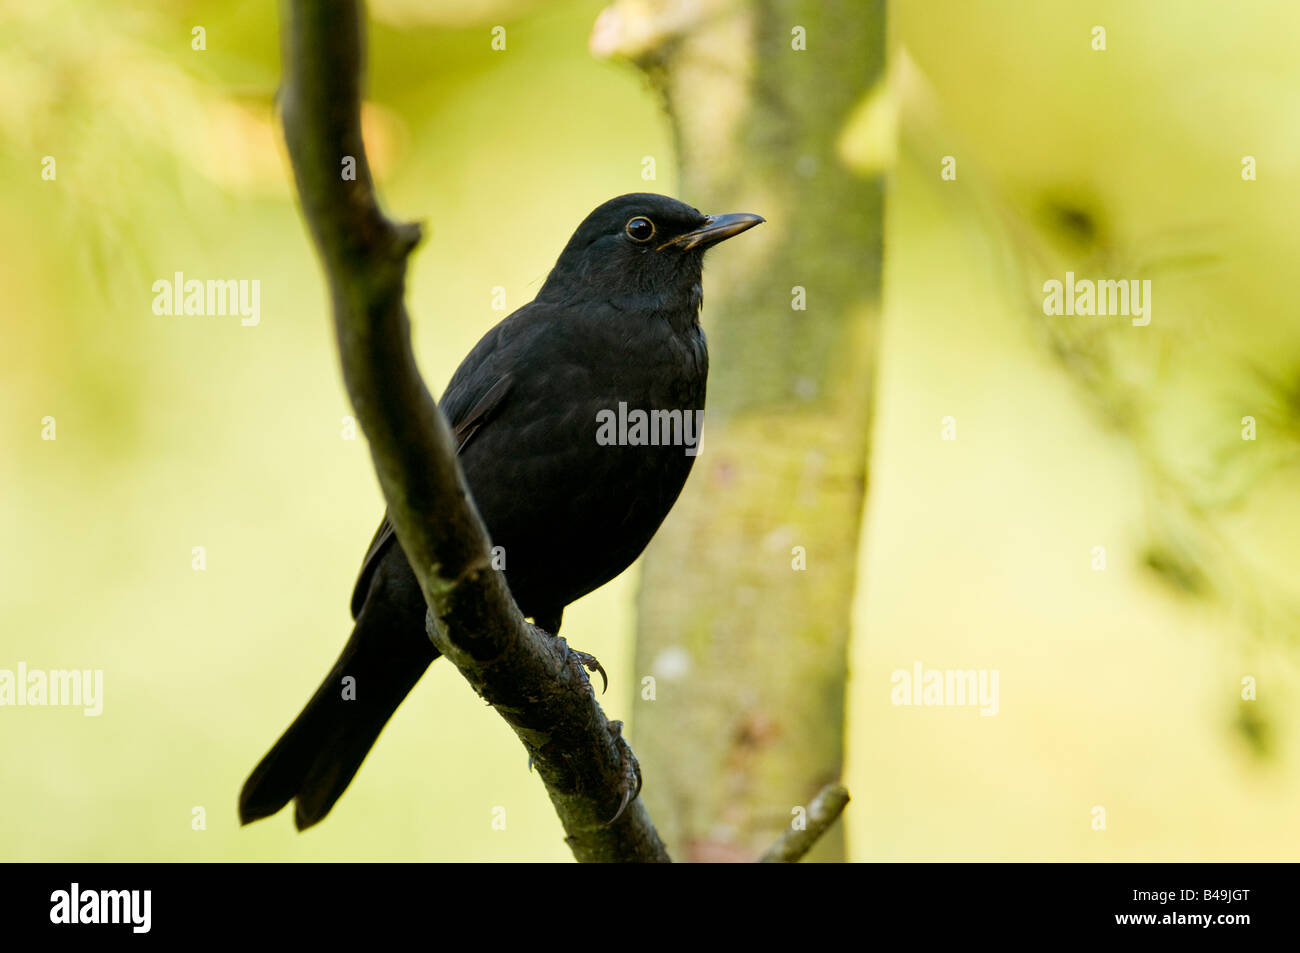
x=640 y=229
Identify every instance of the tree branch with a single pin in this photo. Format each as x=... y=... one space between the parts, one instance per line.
x=828 y=805
x=532 y=679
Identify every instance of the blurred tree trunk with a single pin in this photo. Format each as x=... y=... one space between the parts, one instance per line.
x=747 y=649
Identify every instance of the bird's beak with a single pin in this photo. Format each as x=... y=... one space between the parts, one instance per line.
x=716 y=228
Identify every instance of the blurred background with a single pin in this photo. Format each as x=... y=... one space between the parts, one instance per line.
x=1120 y=687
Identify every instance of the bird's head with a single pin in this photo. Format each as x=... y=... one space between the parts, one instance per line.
x=640 y=247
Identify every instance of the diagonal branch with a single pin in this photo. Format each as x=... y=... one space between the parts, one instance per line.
x=532 y=679
x=825 y=809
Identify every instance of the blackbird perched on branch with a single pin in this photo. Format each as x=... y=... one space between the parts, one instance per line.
x=614 y=333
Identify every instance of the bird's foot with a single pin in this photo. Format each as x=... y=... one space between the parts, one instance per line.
x=592 y=664
x=589 y=662
x=631 y=770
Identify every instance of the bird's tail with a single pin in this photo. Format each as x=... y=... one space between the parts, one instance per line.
x=317 y=757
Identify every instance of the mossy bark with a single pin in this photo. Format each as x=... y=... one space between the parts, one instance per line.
x=747 y=649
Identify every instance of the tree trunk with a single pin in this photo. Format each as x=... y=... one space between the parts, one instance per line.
x=744 y=721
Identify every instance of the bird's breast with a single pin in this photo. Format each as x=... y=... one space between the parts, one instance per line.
x=589 y=452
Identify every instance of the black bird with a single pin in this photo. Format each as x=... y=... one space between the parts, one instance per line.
x=616 y=322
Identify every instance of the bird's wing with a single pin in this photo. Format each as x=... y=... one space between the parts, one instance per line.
x=463 y=429
x=377 y=545
x=466 y=427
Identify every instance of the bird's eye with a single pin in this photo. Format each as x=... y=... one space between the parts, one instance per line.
x=640 y=229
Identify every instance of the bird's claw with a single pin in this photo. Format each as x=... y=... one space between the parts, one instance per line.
x=631 y=771
x=591 y=664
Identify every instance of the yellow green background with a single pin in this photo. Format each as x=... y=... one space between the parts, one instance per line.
x=1118 y=688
